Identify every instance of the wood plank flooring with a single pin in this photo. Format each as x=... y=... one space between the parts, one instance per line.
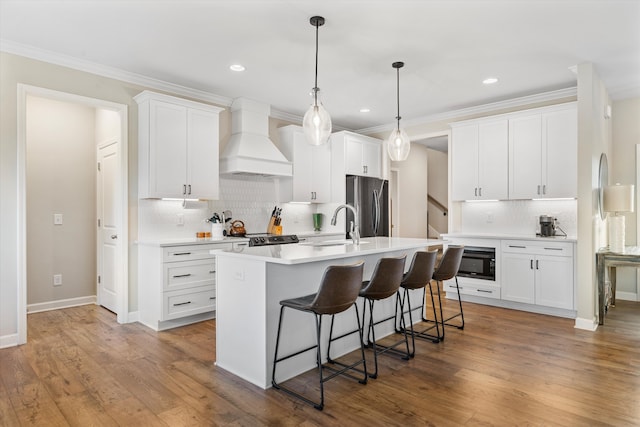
x=506 y=368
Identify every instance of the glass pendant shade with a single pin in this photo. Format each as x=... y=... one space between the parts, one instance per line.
x=398 y=145
x=317 y=124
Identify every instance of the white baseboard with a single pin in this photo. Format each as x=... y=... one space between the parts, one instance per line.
x=586 y=324
x=62 y=303
x=8 y=340
x=626 y=296
x=134 y=316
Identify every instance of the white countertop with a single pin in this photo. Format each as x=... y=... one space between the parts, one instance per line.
x=508 y=236
x=304 y=253
x=189 y=241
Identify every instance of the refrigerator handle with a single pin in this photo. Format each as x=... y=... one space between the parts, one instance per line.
x=376 y=211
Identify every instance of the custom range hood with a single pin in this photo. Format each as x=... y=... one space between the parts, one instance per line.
x=249 y=151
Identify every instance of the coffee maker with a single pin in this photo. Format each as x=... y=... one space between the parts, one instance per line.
x=547 y=226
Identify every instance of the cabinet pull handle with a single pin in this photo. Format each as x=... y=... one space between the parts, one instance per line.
x=480 y=191
x=189 y=189
x=182 y=253
x=544 y=189
x=537 y=265
x=184 y=189
x=517 y=246
x=553 y=249
x=212 y=271
x=212 y=298
x=181 y=303
x=538 y=189
x=485 y=291
x=177 y=276
x=531 y=264
x=475 y=191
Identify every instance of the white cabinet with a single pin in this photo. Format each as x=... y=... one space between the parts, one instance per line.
x=353 y=154
x=177 y=147
x=359 y=154
x=543 y=150
x=311 y=180
x=539 y=273
x=480 y=161
x=177 y=284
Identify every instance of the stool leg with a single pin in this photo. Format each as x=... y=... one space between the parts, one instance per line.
x=413 y=340
x=360 y=334
x=371 y=338
x=319 y=361
x=275 y=357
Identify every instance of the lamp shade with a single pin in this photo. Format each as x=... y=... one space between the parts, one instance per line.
x=619 y=198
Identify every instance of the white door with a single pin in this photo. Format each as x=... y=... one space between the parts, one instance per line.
x=109 y=227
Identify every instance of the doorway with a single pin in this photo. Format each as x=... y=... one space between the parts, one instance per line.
x=438 y=184
x=65 y=221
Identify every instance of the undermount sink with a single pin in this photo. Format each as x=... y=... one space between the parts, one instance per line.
x=331 y=243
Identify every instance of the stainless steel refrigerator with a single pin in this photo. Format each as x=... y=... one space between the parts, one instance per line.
x=370 y=197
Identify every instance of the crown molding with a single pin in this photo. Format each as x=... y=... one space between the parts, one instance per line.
x=479 y=109
x=110 y=72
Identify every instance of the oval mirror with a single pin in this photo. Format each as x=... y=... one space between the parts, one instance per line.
x=603 y=181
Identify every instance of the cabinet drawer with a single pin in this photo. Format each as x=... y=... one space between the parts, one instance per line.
x=191 y=252
x=179 y=303
x=488 y=291
x=187 y=274
x=538 y=248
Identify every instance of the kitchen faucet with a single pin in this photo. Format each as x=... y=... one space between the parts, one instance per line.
x=354 y=229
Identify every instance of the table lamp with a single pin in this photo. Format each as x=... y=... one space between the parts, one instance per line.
x=618 y=199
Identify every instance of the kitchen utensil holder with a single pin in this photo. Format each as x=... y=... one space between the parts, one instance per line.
x=217 y=229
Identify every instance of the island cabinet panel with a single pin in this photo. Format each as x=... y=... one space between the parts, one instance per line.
x=311 y=180
x=480 y=161
x=177 y=284
x=251 y=284
x=177 y=147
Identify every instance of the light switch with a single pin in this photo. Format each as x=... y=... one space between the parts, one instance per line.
x=57 y=219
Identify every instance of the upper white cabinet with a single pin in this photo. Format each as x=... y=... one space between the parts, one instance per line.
x=480 y=160
x=543 y=149
x=311 y=180
x=177 y=147
x=357 y=154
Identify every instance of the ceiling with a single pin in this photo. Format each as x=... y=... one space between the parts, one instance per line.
x=448 y=48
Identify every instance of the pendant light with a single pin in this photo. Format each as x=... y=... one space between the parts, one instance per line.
x=317 y=122
x=398 y=144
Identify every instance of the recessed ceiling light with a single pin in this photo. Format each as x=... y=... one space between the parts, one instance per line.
x=237 y=67
x=365 y=110
x=490 y=81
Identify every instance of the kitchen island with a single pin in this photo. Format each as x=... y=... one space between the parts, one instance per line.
x=251 y=282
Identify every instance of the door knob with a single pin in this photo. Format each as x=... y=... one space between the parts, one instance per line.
x=114 y=236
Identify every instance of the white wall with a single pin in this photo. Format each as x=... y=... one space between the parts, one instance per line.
x=60 y=147
x=414 y=182
x=626 y=135
x=438 y=188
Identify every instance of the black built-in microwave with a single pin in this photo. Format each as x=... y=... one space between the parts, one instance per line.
x=478 y=262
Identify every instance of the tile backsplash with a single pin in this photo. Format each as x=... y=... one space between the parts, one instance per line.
x=250 y=199
x=517 y=216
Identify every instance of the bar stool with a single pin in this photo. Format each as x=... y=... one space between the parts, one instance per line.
x=338 y=292
x=418 y=277
x=384 y=283
x=448 y=269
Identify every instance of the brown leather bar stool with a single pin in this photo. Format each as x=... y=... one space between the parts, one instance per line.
x=418 y=277
x=448 y=269
x=384 y=283
x=338 y=292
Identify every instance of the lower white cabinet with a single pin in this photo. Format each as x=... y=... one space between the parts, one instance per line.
x=177 y=284
x=539 y=273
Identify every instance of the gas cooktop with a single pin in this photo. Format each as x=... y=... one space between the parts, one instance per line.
x=271 y=239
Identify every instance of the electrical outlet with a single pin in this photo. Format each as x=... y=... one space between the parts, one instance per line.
x=57 y=280
x=180 y=219
x=57 y=219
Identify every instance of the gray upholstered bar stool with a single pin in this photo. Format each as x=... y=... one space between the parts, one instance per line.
x=384 y=283
x=418 y=277
x=448 y=269
x=338 y=292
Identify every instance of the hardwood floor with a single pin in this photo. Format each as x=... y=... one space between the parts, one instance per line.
x=508 y=368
